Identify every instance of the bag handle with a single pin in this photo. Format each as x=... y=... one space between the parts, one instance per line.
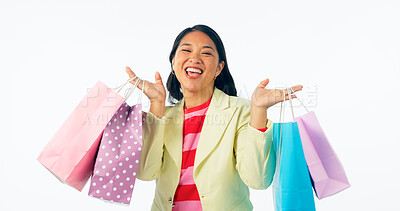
x=289 y=90
x=290 y=100
x=118 y=88
x=301 y=102
x=282 y=113
x=131 y=88
x=279 y=144
x=281 y=117
x=130 y=91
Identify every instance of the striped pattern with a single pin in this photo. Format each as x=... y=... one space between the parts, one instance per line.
x=186 y=195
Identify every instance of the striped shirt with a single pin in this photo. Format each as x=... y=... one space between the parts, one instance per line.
x=186 y=194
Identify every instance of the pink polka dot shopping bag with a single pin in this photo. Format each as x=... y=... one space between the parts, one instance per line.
x=70 y=154
x=118 y=157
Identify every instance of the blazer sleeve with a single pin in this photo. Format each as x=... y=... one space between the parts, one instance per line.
x=152 y=149
x=255 y=155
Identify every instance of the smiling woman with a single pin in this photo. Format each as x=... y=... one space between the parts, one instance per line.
x=196 y=66
x=195 y=44
x=210 y=146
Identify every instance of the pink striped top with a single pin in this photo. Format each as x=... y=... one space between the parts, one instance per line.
x=186 y=194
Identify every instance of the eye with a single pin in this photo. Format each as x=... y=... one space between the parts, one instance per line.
x=186 y=50
x=207 y=53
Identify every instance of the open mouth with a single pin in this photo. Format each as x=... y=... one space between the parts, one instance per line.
x=193 y=72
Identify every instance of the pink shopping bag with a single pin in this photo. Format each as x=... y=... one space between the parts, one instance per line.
x=70 y=153
x=114 y=173
x=326 y=171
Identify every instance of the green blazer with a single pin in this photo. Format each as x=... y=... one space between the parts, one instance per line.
x=231 y=155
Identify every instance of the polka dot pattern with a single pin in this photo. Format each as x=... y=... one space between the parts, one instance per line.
x=117 y=161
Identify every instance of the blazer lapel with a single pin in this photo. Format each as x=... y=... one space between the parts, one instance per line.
x=174 y=133
x=218 y=116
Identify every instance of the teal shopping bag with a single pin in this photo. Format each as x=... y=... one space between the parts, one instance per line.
x=292 y=188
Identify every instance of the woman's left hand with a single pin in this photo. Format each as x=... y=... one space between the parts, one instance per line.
x=265 y=98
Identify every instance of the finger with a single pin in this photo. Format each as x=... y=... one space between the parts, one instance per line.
x=157 y=78
x=284 y=94
x=296 y=88
x=287 y=97
x=263 y=83
x=279 y=95
x=140 y=83
x=293 y=89
x=130 y=72
x=131 y=75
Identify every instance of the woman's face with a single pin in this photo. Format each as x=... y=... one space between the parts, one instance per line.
x=196 y=63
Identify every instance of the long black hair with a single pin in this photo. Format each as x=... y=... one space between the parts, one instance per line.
x=224 y=80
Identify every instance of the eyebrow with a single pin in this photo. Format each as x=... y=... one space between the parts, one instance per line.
x=206 y=46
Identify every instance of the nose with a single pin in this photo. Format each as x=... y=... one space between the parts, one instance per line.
x=195 y=58
x=195 y=61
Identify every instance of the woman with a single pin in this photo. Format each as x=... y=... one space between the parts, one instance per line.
x=210 y=146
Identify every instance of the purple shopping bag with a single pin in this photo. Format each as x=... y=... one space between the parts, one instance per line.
x=117 y=161
x=71 y=152
x=326 y=171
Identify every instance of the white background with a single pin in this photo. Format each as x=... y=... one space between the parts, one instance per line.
x=346 y=53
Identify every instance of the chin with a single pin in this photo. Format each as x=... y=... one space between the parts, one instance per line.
x=192 y=87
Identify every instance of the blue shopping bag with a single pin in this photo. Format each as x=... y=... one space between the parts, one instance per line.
x=292 y=188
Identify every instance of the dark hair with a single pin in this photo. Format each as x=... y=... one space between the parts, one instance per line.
x=224 y=81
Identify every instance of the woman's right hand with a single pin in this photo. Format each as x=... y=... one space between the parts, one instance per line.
x=154 y=91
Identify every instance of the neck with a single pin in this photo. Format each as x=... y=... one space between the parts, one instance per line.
x=193 y=99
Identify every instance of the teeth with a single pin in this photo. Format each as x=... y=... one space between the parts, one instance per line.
x=194 y=70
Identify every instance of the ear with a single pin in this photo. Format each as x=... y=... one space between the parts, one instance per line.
x=173 y=61
x=221 y=66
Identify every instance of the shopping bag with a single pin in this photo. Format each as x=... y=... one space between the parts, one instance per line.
x=70 y=153
x=114 y=173
x=292 y=189
x=326 y=171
